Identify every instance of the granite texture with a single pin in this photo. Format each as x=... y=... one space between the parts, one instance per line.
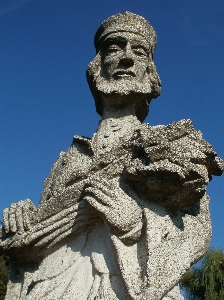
x=124 y=214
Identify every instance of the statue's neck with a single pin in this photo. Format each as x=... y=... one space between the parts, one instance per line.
x=114 y=126
x=118 y=111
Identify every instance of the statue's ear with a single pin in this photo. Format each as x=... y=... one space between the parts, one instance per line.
x=93 y=70
x=94 y=67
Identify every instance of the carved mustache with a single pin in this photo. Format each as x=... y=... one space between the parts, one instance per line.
x=124 y=73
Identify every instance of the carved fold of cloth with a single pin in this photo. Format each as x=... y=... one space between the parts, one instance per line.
x=81 y=248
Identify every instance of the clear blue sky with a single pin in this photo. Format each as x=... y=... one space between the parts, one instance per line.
x=46 y=46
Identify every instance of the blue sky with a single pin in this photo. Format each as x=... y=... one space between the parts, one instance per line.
x=46 y=46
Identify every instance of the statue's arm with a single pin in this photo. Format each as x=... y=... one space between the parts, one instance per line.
x=177 y=167
x=119 y=210
x=45 y=234
x=60 y=214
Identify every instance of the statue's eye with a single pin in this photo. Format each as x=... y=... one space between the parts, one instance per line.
x=139 y=51
x=112 y=49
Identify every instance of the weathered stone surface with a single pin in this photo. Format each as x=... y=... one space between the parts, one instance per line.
x=124 y=214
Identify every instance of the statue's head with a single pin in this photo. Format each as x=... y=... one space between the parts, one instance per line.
x=123 y=66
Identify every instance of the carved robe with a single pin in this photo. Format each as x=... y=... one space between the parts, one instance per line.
x=73 y=253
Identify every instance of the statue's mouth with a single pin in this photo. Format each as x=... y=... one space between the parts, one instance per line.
x=123 y=74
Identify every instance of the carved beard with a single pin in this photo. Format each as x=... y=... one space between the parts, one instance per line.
x=143 y=92
x=123 y=86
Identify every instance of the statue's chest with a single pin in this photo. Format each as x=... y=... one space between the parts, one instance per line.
x=111 y=137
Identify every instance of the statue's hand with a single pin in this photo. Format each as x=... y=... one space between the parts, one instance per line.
x=19 y=216
x=119 y=210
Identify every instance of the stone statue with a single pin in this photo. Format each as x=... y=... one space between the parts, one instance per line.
x=124 y=214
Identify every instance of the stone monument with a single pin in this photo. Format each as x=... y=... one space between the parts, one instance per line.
x=124 y=214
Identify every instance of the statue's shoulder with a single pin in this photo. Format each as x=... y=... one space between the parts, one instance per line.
x=75 y=160
x=171 y=131
x=159 y=135
x=182 y=143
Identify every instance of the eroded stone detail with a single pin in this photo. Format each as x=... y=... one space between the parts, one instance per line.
x=124 y=214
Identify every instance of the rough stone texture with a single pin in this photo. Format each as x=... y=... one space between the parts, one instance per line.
x=122 y=215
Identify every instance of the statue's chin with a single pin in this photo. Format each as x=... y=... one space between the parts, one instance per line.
x=122 y=87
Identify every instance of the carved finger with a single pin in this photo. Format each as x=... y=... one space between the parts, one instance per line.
x=26 y=219
x=19 y=217
x=101 y=184
x=6 y=219
x=98 y=206
x=12 y=218
x=99 y=196
x=30 y=205
x=96 y=179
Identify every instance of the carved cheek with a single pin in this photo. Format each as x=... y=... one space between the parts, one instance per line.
x=141 y=70
x=110 y=64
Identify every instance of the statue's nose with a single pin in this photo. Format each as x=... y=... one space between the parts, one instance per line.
x=127 y=61
x=127 y=58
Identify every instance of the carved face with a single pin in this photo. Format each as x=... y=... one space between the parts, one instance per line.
x=123 y=66
x=125 y=56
